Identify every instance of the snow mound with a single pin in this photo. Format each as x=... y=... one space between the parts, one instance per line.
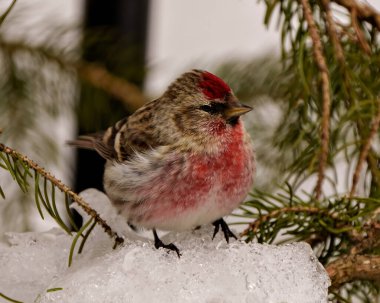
x=208 y=271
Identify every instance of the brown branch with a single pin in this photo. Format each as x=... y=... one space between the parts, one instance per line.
x=370 y=240
x=364 y=11
x=7 y=11
x=357 y=265
x=371 y=157
x=117 y=87
x=323 y=71
x=353 y=267
x=332 y=31
x=361 y=12
x=64 y=188
x=365 y=150
x=94 y=74
x=359 y=32
x=254 y=226
x=373 y=165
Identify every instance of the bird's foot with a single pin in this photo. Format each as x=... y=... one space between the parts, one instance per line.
x=158 y=243
x=226 y=230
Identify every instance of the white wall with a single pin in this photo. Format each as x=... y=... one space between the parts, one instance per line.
x=188 y=34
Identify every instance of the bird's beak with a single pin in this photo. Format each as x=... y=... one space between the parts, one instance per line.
x=237 y=110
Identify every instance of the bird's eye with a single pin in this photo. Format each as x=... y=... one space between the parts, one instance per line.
x=208 y=109
x=213 y=108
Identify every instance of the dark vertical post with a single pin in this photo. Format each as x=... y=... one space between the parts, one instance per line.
x=115 y=36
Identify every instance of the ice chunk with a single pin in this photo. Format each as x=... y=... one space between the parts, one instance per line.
x=30 y=261
x=208 y=271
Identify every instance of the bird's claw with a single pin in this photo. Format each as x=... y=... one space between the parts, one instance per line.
x=169 y=246
x=226 y=230
x=158 y=243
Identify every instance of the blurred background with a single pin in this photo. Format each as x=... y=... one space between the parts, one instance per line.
x=69 y=67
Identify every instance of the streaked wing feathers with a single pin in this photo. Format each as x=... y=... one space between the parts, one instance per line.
x=123 y=139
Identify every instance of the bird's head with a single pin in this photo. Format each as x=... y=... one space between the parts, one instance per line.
x=203 y=105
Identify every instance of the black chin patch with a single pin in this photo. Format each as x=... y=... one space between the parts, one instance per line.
x=233 y=121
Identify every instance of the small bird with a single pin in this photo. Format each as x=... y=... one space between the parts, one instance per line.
x=180 y=161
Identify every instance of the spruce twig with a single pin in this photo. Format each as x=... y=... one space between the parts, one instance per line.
x=363 y=11
x=255 y=225
x=6 y=13
x=357 y=265
x=92 y=73
x=353 y=267
x=333 y=33
x=326 y=94
x=365 y=149
x=359 y=33
x=63 y=188
x=9 y=298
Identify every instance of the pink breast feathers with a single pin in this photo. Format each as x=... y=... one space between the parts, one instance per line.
x=207 y=188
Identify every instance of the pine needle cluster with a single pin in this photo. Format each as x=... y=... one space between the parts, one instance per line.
x=324 y=152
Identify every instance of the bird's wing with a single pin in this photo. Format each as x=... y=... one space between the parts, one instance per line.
x=126 y=137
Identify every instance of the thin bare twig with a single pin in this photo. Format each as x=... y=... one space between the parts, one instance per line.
x=6 y=13
x=94 y=74
x=356 y=265
x=365 y=149
x=373 y=165
x=64 y=188
x=359 y=32
x=332 y=31
x=364 y=11
x=254 y=226
x=371 y=159
x=117 y=87
x=326 y=98
x=369 y=238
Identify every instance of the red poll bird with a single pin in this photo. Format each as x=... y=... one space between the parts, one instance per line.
x=180 y=161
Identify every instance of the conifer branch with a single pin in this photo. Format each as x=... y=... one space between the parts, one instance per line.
x=357 y=265
x=331 y=87
x=369 y=241
x=332 y=31
x=326 y=98
x=6 y=13
x=353 y=267
x=364 y=11
x=372 y=161
x=365 y=150
x=255 y=225
x=117 y=87
x=359 y=32
x=9 y=299
x=60 y=185
x=92 y=73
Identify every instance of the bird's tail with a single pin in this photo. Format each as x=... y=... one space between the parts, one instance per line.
x=94 y=142
x=85 y=142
